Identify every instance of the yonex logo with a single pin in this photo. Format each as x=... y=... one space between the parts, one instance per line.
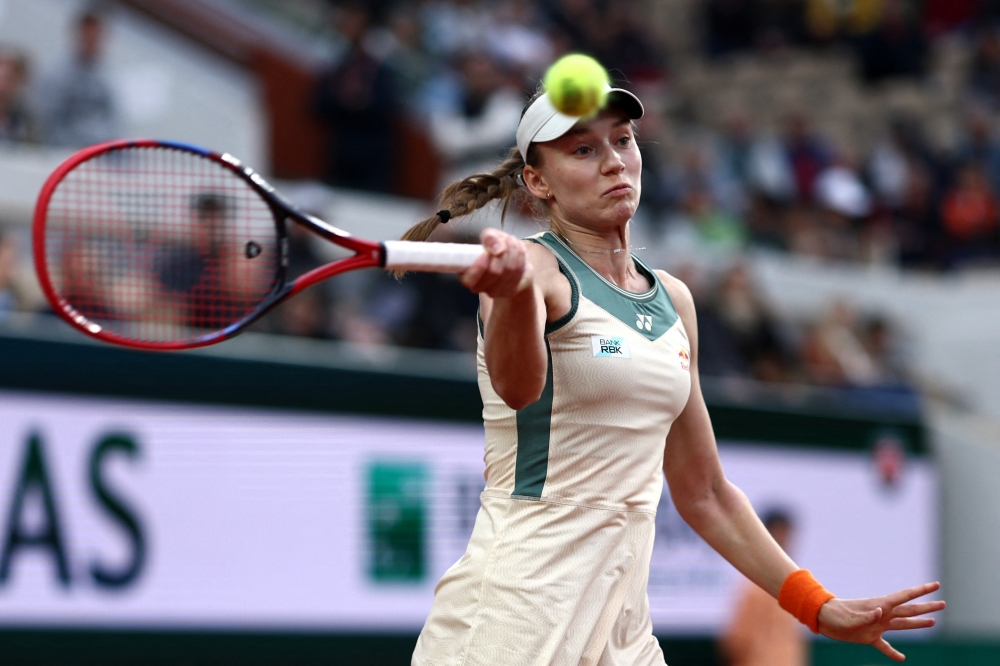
x=644 y=322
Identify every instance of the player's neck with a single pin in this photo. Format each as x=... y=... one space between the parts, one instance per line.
x=607 y=252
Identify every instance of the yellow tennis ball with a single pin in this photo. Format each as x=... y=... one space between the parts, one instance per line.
x=577 y=85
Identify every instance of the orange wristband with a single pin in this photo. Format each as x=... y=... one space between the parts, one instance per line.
x=802 y=596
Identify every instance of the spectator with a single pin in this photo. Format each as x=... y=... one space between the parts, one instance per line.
x=518 y=38
x=889 y=173
x=979 y=146
x=823 y=20
x=309 y=313
x=699 y=170
x=382 y=315
x=719 y=230
x=766 y=223
x=761 y=633
x=702 y=227
x=969 y=213
x=806 y=153
x=729 y=25
x=896 y=48
x=769 y=171
x=445 y=315
x=917 y=222
x=473 y=132
x=737 y=147
x=10 y=298
x=882 y=346
x=740 y=334
x=944 y=15
x=306 y=315
x=828 y=21
x=984 y=77
x=411 y=64
x=835 y=355
x=624 y=47
x=454 y=27
x=575 y=21
x=16 y=123
x=357 y=98
x=780 y=24
x=908 y=137
x=845 y=204
x=76 y=104
x=805 y=233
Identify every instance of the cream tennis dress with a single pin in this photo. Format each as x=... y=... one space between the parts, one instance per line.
x=558 y=562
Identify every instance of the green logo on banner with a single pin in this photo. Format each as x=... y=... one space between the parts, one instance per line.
x=397 y=519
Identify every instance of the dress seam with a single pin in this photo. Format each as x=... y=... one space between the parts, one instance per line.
x=503 y=494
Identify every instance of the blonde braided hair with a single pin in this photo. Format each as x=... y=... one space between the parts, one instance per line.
x=476 y=191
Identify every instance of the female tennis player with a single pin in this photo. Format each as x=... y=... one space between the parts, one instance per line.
x=588 y=368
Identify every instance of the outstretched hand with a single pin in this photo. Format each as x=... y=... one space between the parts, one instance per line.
x=866 y=620
x=502 y=270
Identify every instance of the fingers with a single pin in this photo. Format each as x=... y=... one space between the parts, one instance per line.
x=883 y=646
x=911 y=610
x=901 y=623
x=910 y=593
x=500 y=271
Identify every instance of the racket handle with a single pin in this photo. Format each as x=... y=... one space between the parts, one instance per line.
x=430 y=257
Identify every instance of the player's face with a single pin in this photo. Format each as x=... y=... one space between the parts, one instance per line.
x=593 y=172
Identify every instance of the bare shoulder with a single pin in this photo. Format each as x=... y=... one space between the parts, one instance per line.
x=679 y=294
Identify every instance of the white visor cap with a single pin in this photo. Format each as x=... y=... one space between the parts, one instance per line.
x=542 y=122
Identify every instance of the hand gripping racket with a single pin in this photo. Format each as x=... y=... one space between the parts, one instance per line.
x=162 y=245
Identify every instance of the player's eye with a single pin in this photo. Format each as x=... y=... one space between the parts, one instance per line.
x=625 y=140
x=582 y=150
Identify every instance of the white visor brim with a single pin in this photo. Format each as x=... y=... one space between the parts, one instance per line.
x=541 y=122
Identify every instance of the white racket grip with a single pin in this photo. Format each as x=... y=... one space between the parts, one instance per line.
x=430 y=257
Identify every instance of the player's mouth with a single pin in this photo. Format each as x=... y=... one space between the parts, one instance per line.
x=618 y=190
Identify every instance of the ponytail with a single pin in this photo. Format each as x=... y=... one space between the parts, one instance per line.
x=472 y=193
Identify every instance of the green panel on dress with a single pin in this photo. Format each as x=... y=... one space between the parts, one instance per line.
x=651 y=313
x=533 y=428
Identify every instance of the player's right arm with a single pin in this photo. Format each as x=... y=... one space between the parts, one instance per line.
x=515 y=282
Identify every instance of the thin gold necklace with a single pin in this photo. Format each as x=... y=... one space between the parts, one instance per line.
x=619 y=250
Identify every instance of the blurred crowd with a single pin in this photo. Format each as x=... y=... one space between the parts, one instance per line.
x=71 y=105
x=461 y=69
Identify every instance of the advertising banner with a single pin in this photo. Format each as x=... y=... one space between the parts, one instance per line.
x=119 y=513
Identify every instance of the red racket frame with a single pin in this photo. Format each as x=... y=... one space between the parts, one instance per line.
x=368 y=254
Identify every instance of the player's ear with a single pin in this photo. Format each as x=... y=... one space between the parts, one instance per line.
x=535 y=183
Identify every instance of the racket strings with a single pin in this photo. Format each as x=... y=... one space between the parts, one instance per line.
x=159 y=246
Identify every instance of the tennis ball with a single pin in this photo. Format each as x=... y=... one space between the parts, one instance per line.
x=577 y=85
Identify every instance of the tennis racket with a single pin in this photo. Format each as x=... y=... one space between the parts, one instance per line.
x=162 y=245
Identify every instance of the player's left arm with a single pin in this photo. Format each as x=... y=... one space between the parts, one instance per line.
x=714 y=507
x=721 y=514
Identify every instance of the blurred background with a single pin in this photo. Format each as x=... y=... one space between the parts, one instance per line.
x=824 y=175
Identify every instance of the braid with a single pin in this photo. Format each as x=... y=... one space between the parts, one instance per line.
x=478 y=190
x=472 y=193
